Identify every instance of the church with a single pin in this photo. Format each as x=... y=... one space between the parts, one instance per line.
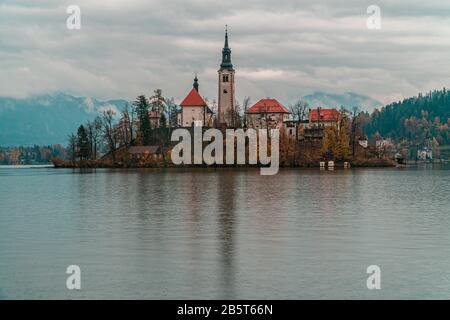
x=196 y=112
x=194 y=109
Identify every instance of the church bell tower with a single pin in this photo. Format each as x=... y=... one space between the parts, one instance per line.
x=226 y=95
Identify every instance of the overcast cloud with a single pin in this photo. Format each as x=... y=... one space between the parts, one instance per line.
x=283 y=49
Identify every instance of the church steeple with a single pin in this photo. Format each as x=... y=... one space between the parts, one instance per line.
x=226 y=105
x=196 y=83
x=226 y=54
x=226 y=37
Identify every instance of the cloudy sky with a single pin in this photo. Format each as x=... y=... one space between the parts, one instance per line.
x=282 y=49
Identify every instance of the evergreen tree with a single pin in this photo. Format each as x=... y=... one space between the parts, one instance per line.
x=145 y=130
x=416 y=120
x=83 y=143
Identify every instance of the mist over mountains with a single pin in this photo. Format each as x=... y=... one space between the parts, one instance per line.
x=48 y=119
x=347 y=99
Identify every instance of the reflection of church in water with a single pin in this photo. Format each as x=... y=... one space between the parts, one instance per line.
x=194 y=109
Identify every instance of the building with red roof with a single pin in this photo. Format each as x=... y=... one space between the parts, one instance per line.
x=194 y=109
x=266 y=113
x=268 y=106
x=323 y=117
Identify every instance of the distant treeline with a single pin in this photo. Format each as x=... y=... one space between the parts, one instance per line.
x=421 y=121
x=31 y=155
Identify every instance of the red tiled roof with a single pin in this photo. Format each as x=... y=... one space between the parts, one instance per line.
x=267 y=106
x=319 y=114
x=193 y=99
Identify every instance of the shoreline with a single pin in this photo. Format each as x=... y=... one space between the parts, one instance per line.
x=374 y=163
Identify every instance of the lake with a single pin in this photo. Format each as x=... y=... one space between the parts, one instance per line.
x=225 y=234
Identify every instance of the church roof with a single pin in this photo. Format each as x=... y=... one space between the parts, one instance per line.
x=267 y=106
x=193 y=99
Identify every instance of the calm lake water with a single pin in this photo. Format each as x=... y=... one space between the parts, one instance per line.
x=197 y=234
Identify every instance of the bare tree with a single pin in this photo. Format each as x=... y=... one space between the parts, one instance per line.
x=355 y=118
x=235 y=116
x=94 y=131
x=72 y=147
x=245 y=105
x=110 y=134
x=126 y=124
x=299 y=110
x=173 y=113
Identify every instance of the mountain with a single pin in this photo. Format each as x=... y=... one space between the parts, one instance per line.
x=348 y=100
x=47 y=119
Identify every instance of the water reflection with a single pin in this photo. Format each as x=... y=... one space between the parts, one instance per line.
x=225 y=234
x=226 y=220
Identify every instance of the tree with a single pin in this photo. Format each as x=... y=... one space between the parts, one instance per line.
x=355 y=125
x=109 y=131
x=245 y=106
x=72 y=147
x=145 y=130
x=235 y=116
x=299 y=110
x=157 y=101
x=126 y=124
x=83 y=143
x=173 y=113
x=335 y=144
x=344 y=141
x=414 y=118
x=94 y=132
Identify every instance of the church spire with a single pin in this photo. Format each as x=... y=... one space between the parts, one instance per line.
x=226 y=53
x=196 y=82
x=226 y=37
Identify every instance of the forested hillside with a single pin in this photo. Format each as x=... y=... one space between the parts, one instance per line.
x=423 y=120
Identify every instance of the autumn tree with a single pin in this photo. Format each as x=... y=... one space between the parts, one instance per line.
x=336 y=142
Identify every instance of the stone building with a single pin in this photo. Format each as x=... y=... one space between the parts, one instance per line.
x=267 y=113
